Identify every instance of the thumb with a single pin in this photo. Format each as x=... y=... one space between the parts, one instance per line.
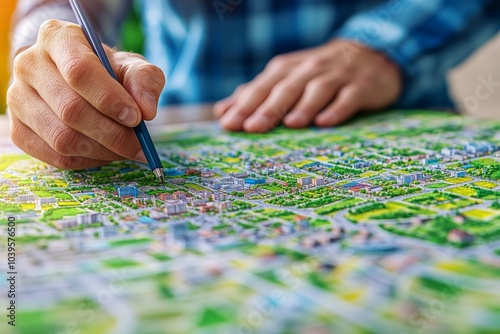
x=143 y=80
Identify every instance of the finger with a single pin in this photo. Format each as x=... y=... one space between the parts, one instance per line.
x=223 y=105
x=257 y=92
x=318 y=93
x=270 y=113
x=285 y=94
x=27 y=140
x=346 y=104
x=142 y=80
x=84 y=73
x=79 y=115
x=32 y=111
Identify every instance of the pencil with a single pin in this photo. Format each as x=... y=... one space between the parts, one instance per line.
x=141 y=130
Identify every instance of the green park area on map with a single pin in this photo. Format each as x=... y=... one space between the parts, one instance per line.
x=389 y=224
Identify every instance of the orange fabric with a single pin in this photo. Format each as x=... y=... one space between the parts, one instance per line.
x=5 y=17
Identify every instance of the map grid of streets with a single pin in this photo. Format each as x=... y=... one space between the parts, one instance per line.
x=389 y=224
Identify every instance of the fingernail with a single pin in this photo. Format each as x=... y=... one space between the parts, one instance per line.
x=141 y=157
x=128 y=116
x=295 y=118
x=260 y=123
x=324 y=120
x=233 y=122
x=150 y=102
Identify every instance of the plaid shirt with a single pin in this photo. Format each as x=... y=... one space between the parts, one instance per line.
x=207 y=48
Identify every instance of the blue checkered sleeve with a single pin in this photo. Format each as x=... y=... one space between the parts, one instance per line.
x=405 y=29
x=421 y=37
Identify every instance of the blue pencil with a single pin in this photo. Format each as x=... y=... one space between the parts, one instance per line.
x=141 y=130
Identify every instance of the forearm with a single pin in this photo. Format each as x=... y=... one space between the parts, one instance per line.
x=30 y=14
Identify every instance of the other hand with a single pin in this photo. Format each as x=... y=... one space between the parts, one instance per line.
x=324 y=86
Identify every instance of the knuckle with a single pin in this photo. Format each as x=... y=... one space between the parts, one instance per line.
x=288 y=88
x=153 y=72
x=13 y=96
x=240 y=88
x=352 y=99
x=280 y=62
x=106 y=100
x=48 y=29
x=316 y=63
x=322 y=84
x=75 y=68
x=64 y=141
x=72 y=110
x=257 y=90
x=119 y=141
x=23 y=62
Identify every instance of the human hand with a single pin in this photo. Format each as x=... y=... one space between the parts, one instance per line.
x=325 y=85
x=68 y=111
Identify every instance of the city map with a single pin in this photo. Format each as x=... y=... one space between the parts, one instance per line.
x=389 y=224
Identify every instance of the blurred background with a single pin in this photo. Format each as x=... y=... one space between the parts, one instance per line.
x=464 y=80
x=5 y=15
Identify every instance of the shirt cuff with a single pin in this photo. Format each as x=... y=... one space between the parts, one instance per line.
x=26 y=30
x=386 y=43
